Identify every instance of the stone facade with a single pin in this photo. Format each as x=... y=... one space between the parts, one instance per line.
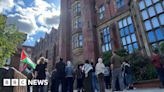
x=106 y=25
x=89 y=28
x=47 y=48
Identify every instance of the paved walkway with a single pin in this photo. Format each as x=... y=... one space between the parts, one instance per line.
x=142 y=90
x=139 y=90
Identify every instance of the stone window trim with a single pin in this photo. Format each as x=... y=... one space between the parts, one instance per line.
x=101 y=12
x=105 y=39
x=128 y=37
x=119 y=3
x=76 y=8
x=77 y=22
x=77 y=41
x=153 y=24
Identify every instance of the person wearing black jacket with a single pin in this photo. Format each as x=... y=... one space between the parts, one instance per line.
x=40 y=72
x=60 y=75
x=127 y=73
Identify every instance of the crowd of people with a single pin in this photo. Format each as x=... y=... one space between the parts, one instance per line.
x=91 y=76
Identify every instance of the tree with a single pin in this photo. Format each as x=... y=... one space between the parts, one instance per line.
x=162 y=47
x=10 y=38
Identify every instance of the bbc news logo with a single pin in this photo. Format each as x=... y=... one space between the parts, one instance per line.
x=23 y=82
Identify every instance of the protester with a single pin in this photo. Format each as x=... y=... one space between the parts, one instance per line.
x=100 y=69
x=60 y=72
x=87 y=69
x=40 y=72
x=79 y=77
x=6 y=72
x=127 y=74
x=107 y=76
x=69 y=77
x=54 y=86
x=95 y=84
x=116 y=71
x=46 y=87
x=157 y=64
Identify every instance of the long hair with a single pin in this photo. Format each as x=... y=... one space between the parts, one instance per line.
x=41 y=60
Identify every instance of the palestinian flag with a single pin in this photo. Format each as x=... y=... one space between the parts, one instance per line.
x=27 y=60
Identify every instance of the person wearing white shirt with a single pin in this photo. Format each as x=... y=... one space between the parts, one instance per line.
x=100 y=69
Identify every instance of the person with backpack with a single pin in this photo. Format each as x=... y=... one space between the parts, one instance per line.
x=127 y=74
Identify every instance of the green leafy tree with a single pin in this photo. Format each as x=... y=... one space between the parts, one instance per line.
x=10 y=38
x=162 y=47
x=106 y=57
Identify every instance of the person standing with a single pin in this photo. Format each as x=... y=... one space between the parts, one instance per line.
x=40 y=72
x=60 y=72
x=107 y=76
x=100 y=69
x=156 y=62
x=69 y=77
x=87 y=69
x=79 y=78
x=95 y=83
x=54 y=80
x=127 y=74
x=116 y=71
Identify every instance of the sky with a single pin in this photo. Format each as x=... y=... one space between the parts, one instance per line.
x=34 y=17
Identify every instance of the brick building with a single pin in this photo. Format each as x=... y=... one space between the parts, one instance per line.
x=47 y=47
x=90 y=27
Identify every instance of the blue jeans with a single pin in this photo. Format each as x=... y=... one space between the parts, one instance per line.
x=128 y=79
x=95 y=84
x=117 y=73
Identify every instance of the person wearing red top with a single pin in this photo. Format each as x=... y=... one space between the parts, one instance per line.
x=156 y=62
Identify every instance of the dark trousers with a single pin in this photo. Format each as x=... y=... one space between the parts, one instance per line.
x=69 y=84
x=61 y=81
x=79 y=83
x=88 y=83
x=54 y=87
x=107 y=81
x=40 y=88
x=160 y=72
x=101 y=82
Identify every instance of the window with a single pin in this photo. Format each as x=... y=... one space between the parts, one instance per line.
x=105 y=39
x=152 y=12
x=77 y=23
x=160 y=35
x=144 y=15
x=158 y=8
x=154 y=1
x=101 y=12
x=148 y=2
x=161 y=17
x=127 y=34
x=119 y=3
x=151 y=36
x=155 y=22
x=77 y=8
x=148 y=25
x=77 y=41
x=141 y=5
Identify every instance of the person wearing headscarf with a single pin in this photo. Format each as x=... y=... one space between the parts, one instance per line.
x=100 y=69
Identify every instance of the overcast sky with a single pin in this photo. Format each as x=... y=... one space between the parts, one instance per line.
x=34 y=17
